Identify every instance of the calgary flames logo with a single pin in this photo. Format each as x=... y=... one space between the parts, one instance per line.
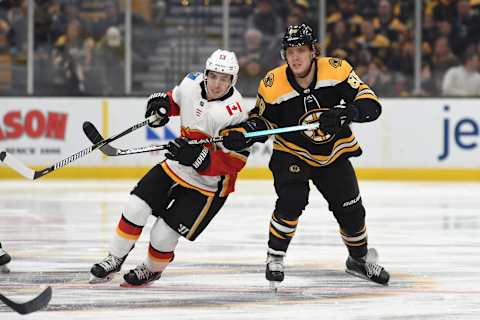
x=317 y=135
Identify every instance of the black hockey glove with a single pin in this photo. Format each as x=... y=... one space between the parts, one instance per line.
x=332 y=121
x=196 y=156
x=159 y=104
x=235 y=140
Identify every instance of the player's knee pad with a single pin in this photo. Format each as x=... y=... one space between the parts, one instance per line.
x=292 y=200
x=162 y=237
x=137 y=211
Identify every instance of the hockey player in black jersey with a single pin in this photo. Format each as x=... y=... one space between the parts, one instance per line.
x=310 y=89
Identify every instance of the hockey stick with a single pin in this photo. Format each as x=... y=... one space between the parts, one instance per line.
x=31 y=174
x=94 y=136
x=40 y=302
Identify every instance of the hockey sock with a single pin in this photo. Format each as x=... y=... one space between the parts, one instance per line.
x=281 y=232
x=157 y=260
x=356 y=242
x=130 y=226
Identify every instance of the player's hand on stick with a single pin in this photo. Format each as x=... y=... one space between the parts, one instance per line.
x=196 y=156
x=331 y=121
x=158 y=103
x=234 y=139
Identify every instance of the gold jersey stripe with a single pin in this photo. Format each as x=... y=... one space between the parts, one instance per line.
x=225 y=184
x=316 y=163
x=200 y=217
x=297 y=148
x=185 y=184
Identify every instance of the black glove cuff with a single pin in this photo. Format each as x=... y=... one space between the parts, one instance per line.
x=203 y=160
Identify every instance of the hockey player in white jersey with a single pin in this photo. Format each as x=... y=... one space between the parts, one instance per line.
x=186 y=190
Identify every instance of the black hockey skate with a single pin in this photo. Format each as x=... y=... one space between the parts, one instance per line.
x=367 y=268
x=4 y=260
x=274 y=270
x=141 y=276
x=104 y=270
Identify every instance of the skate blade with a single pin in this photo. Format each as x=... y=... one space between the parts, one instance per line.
x=96 y=280
x=4 y=269
x=128 y=285
x=274 y=286
x=362 y=276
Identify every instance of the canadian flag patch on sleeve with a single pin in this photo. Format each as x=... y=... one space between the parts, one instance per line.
x=234 y=108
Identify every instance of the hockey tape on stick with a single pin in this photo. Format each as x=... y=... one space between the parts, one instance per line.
x=92 y=133
x=31 y=174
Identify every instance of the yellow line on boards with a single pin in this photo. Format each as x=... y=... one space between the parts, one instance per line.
x=392 y=174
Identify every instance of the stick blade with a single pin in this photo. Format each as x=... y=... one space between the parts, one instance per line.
x=91 y=132
x=16 y=165
x=38 y=303
x=95 y=137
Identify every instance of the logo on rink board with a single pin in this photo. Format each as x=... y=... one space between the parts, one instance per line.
x=34 y=124
x=464 y=134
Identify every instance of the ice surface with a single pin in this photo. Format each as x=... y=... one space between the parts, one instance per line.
x=427 y=235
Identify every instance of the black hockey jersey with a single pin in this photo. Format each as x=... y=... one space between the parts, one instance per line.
x=281 y=102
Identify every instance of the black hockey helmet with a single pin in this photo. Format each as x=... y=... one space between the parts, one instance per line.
x=297 y=36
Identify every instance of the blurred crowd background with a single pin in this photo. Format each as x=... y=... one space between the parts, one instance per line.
x=134 y=47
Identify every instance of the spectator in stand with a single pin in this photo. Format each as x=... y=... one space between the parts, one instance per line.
x=386 y=24
x=72 y=55
x=301 y=8
x=466 y=26
x=444 y=9
x=61 y=13
x=380 y=79
x=265 y=19
x=402 y=56
x=346 y=12
x=442 y=59
x=110 y=57
x=463 y=80
x=254 y=62
x=377 y=44
x=444 y=29
x=4 y=29
x=18 y=19
x=340 y=38
x=429 y=32
x=112 y=18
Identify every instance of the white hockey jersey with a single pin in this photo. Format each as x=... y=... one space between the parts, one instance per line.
x=199 y=119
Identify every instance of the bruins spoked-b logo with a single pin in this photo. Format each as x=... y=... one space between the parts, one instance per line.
x=317 y=135
x=335 y=62
x=294 y=168
x=268 y=80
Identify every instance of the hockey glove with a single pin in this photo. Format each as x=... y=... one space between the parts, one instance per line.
x=235 y=140
x=159 y=104
x=332 y=121
x=196 y=156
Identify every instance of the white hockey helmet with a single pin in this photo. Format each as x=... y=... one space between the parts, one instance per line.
x=223 y=61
